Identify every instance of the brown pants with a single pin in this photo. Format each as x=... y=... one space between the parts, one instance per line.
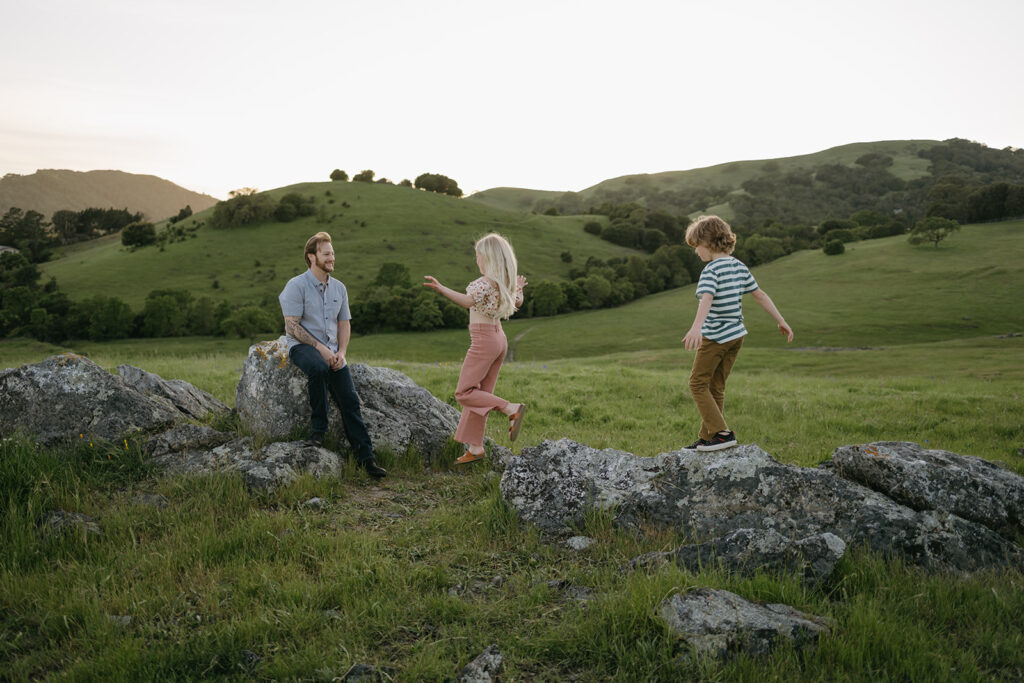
x=711 y=367
x=477 y=378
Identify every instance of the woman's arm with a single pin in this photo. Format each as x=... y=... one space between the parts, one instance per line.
x=462 y=299
x=766 y=303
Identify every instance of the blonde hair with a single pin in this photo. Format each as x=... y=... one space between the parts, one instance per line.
x=711 y=232
x=313 y=246
x=499 y=265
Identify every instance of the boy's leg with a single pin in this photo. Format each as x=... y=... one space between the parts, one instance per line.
x=717 y=385
x=309 y=360
x=705 y=365
x=344 y=392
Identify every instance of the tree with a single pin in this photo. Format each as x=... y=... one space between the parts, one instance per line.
x=364 y=176
x=392 y=275
x=426 y=316
x=138 y=235
x=183 y=214
x=933 y=229
x=548 y=298
x=248 y=321
x=435 y=182
x=339 y=175
x=834 y=247
x=28 y=232
x=596 y=289
x=65 y=223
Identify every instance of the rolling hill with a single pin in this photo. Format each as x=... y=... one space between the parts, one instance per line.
x=890 y=177
x=370 y=223
x=48 y=190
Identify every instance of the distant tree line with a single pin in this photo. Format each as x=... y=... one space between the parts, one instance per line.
x=431 y=182
x=30 y=309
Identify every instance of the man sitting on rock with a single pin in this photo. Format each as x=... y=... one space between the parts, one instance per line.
x=316 y=322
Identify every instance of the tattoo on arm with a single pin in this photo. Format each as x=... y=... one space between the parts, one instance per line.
x=298 y=332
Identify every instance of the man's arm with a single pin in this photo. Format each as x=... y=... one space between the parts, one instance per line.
x=344 y=334
x=299 y=333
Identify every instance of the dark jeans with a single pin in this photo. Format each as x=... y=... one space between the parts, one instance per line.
x=339 y=383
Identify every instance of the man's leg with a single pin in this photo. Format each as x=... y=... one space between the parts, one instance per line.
x=309 y=360
x=344 y=392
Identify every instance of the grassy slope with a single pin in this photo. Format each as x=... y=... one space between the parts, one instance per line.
x=906 y=165
x=429 y=233
x=403 y=574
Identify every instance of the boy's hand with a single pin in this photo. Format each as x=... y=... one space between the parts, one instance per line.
x=692 y=340
x=786 y=330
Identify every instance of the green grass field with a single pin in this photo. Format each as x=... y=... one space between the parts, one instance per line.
x=226 y=584
x=431 y=234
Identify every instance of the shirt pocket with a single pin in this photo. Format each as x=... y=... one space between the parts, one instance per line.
x=332 y=308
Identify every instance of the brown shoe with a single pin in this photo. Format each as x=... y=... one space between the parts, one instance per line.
x=468 y=457
x=515 y=422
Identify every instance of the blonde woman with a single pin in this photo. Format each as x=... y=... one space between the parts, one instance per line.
x=490 y=298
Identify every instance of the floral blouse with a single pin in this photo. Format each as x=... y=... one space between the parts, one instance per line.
x=486 y=296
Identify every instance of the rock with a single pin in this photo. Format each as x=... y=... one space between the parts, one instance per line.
x=749 y=550
x=57 y=522
x=317 y=504
x=710 y=494
x=484 y=669
x=716 y=623
x=271 y=399
x=966 y=486
x=182 y=396
x=263 y=469
x=122 y=620
x=365 y=673
x=151 y=500
x=68 y=396
x=579 y=542
x=184 y=437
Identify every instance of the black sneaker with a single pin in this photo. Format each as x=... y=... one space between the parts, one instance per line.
x=373 y=469
x=696 y=444
x=718 y=442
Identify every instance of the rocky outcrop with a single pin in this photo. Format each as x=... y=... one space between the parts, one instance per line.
x=69 y=397
x=484 y=669
x=748 y=550
x=271 y=400
x=718 y=623
x=921 y=479
x=711 y=494
x=182 y=396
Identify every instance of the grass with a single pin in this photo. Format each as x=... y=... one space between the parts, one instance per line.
x=429 y=233
x=425 y=570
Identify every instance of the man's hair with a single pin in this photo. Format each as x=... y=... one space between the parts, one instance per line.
x=313 y=246
x=711 y=232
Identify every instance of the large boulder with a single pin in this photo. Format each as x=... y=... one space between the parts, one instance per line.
x=271 y=400
x=68 y=397
x=709 y=494
x=966 y=486
x=185 y=398
x=718 y=623
x=748 y=550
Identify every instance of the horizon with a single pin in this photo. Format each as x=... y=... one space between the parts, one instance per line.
x=547 y=96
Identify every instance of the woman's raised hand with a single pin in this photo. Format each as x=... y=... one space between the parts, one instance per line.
x=520 y=281
x=432 y=282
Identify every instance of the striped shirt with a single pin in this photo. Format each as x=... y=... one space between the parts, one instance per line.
x=726 y=279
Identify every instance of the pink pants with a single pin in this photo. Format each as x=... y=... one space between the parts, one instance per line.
x=477 y=378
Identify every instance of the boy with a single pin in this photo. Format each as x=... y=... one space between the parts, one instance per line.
x=717 y=332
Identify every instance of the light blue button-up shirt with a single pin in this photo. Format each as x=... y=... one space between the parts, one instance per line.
x=319 y=307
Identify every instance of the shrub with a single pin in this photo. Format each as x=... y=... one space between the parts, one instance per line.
x=834 y=247
x=339 y=175
x=593 y=227
x=138 y=235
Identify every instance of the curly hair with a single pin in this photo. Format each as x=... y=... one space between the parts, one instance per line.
x=711 y=232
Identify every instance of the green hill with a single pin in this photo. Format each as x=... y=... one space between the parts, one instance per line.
x=49 y=190
x=370 y=223
x=911 y=178
x=880 y=293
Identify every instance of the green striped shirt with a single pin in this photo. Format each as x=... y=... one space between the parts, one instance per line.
x=726 y=279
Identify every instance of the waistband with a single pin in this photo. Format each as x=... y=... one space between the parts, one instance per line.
x=485 y=326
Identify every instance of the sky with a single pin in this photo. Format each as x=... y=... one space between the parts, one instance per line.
x=215 y=95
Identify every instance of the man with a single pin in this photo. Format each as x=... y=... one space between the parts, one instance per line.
x=316 y=322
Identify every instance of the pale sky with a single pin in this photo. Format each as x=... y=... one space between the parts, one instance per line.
x=551 y=94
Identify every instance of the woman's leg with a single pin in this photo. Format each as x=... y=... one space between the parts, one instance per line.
x=477 y=380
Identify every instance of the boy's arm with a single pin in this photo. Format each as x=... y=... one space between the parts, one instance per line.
x=692 y=340
x=766 y=303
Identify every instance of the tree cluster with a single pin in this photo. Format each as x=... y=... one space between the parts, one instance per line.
x=435 y=182
x=247 y=207
x=43 y=312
